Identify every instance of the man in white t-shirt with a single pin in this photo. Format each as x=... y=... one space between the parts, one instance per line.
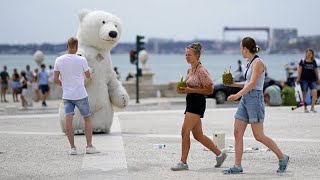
x=71 y=68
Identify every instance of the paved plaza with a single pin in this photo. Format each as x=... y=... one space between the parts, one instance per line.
x=32 y=145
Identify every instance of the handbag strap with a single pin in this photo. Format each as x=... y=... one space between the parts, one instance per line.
x=248 y=66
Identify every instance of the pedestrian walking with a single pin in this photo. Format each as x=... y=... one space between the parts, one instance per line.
x=308 y=77
x=44 y=84
x=251 y=107
x=199 y=84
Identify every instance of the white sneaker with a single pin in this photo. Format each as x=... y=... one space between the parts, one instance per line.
x=180 y=166
x=220 y=159
x=91 y=150
x=73 y=151
x=312 y=110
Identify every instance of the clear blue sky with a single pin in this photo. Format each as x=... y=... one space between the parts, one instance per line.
x=53 y=21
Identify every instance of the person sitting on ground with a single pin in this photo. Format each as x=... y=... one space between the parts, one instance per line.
x=288 y=95
x=272 y=95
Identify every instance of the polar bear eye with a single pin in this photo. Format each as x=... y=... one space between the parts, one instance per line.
x=103 y=22
x=116 y=25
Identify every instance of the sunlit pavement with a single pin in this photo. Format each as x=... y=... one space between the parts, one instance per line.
x=33 y=146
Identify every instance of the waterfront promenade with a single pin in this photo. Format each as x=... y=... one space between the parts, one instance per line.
x=32 y=145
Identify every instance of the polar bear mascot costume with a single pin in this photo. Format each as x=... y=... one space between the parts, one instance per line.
x=98 y=33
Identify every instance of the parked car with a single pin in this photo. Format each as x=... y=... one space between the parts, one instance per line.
x=221 y=92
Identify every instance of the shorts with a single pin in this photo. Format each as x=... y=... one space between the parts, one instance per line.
x=196 y=104
x=44 y=88
x=15 y=85
x=24 y=92
x=251 y=107
x=82 y=105
x=4 y=86
x=35 y=86
x=308 y=84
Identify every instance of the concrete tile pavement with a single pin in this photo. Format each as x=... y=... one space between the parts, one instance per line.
x=295 y=132
x=33 y=147
x=110 y=163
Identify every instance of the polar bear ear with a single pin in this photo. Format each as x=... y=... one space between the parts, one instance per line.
x=83 y=13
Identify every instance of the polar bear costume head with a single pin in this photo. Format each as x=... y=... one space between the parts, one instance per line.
x=99 y=29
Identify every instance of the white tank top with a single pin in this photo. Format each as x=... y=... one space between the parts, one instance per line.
x=260 y=82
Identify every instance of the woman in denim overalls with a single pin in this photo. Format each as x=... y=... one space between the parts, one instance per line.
x=251 y=107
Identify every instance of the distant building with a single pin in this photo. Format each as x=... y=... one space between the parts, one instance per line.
x=157 y=42
x=282 y=37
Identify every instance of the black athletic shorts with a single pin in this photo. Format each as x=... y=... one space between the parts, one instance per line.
x=44 y=88
x=196 y=104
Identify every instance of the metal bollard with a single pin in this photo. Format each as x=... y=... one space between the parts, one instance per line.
x=219 y=140
x=211 y=103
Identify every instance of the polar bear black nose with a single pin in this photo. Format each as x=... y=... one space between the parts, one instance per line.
x=113 y=34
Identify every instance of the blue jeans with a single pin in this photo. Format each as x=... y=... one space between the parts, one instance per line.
x=82 y=105
x=308 y=84
x=251 y=107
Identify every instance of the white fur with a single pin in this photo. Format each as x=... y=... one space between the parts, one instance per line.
x=103 y=88
x=38 y=57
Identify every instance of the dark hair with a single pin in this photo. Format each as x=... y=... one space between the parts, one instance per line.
x=23 y=73
x=196 y=48
x=312 y=52
x=271 y=82
x=43 y=66
x=250 y=44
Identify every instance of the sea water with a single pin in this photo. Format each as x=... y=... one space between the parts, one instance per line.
x=168 y=67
